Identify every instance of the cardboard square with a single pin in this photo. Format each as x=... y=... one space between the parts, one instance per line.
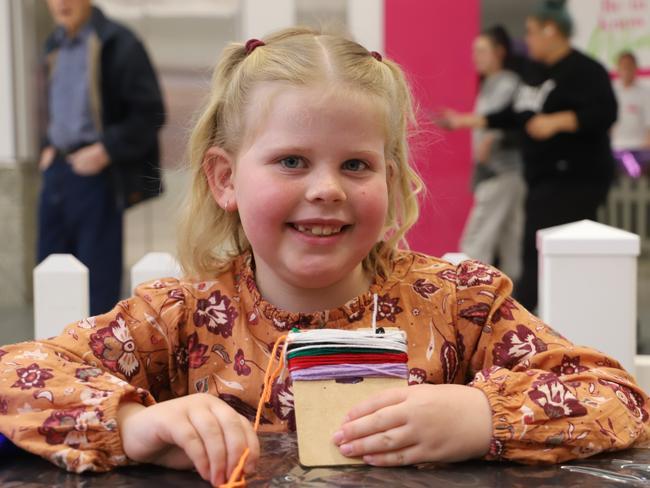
x=320 y=407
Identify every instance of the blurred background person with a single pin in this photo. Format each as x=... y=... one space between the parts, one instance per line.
x=565 y=108
x=100 y=152
x=631 y=133
x=494 y=228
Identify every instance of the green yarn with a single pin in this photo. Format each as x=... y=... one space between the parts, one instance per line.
x=322 y=351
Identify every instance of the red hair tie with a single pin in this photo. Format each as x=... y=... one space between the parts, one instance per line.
x=376 y=55
x=252 y=44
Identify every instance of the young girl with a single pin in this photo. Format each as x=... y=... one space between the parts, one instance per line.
x=302 y=190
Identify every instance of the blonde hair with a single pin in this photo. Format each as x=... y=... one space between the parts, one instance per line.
x=209 y=237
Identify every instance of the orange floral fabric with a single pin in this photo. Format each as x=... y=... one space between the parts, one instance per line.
x=551 y=401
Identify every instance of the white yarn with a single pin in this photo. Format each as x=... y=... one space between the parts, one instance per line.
x=310 y=339
x=374 y=312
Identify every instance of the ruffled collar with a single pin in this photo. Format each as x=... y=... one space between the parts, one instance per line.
x=357 y=309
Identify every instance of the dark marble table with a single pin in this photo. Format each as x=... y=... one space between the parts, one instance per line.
x=279 y=467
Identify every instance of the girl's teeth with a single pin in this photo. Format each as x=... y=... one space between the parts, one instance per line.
x=318 y=230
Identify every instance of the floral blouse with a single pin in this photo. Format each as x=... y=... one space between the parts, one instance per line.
x=551 y=400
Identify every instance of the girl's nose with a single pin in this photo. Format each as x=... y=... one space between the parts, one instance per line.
x=325 y=187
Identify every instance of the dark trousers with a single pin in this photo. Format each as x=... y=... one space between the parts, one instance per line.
x=548 y=204
x=78 y=215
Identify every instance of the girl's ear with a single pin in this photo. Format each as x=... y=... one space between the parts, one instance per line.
x=218 y=167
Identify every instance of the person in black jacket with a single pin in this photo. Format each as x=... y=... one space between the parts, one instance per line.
x=100 y=152
x=565 y=107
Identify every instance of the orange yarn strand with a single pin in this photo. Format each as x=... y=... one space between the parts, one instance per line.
x=237 y=478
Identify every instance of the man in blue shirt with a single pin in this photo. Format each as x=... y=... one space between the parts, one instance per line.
x=100 y=152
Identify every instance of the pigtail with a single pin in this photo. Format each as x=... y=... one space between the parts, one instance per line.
x=212 y=236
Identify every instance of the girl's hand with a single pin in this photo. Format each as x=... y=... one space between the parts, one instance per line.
x=199 y=431
x=417 y=424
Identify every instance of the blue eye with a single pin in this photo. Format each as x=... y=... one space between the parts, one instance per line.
x=292 y=162
x=355 y=165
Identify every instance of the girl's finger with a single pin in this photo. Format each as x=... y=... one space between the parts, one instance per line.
x=376 y=422
x=184 y=435
x=208 y=427
x=253 y=444
x=381 y=442
x=383 y=399
x=400 y=457
x=234 y=437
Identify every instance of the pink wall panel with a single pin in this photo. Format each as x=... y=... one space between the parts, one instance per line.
x=432 y=40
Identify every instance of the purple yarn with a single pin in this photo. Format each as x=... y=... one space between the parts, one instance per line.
x=337 y=371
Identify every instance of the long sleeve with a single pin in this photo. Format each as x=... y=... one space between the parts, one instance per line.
x=59 y=397
x=551 y=400
x=595 y=102
x=136 y=132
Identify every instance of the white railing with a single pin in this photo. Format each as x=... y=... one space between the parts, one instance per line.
x=61 y=288
x=628 y=208
x=587 y=289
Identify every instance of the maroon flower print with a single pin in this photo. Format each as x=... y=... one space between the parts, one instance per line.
x=417 y=376
x=196 y=351
x=505 y=311
x=555 y=398
x=356 y=311
x=250 y=284
x=497 y=448
x=4 y=406
x=282 y=403
x=69 y=426
x=32 y=377
x=477 y=314
x=474 y=273
x=449 y=361
x=191 y=355
x=84 y=374
x=176 y=294
x=424 y=288
x=448 y=275
x=241 y=368
x=388 y=308
x=569 y=365
x=517 y=345
x=115 y=348
x=630 y=398
x=216 y=313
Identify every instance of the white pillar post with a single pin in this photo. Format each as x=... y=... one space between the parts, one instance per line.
x=588 y=286
x=366 y=23
x=152 y=266
x=262 y=17
x=60 y=294
x=7 y=114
